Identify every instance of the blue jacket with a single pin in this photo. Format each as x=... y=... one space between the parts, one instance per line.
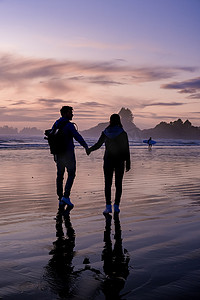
x=69 y=132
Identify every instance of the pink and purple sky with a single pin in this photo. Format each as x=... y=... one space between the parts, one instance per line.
x=99 y=56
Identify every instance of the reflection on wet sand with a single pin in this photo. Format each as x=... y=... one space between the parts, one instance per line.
x=87 y=282
x=59 y=271
x=160 y=222
x=115 y=260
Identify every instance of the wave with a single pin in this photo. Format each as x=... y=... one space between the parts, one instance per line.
x=168 y=143
x=22 y=142
x=30 y=142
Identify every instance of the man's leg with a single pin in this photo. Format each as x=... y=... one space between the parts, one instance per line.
x=70 y=163
x=60 y=175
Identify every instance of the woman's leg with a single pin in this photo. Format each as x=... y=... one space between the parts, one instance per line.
x=119 y=172
x=108 y=176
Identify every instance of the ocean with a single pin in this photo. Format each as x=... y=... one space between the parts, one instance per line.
x=34 y=142
x=151 y=251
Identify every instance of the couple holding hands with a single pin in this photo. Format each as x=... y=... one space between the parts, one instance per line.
x=116 y=157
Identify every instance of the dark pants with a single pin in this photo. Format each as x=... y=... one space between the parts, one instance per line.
x=68 y=161
x=110 y=167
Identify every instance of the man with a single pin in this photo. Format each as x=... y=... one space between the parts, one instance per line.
x=66 y=159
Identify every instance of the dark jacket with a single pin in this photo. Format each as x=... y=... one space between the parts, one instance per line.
x=69 y=132
x=116 y=144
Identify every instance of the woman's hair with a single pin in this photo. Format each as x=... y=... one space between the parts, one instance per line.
x=115 y=120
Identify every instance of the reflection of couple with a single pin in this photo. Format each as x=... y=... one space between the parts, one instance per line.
x=115 y=157
x=65 y=281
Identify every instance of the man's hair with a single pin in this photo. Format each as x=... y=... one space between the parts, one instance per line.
x=65 y=109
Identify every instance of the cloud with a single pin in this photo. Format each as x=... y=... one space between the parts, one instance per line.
x=52 y=102
x=148 y=74
x=156 y=116
x=19 y=115
x=194 y=96
x=195 y=112
x=38 y=87
x=77 y=78
x=20 y=102
x=57 y=75
x=163 y=104
x=187 y=86
x=94 y=103
x=191 y=86
x=156 y=73
x=103 y=80
x=148 y=103
x=187 y=91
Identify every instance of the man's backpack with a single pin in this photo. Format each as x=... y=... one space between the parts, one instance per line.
x=56 y=138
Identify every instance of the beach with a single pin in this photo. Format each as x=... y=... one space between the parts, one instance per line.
x=150 y=251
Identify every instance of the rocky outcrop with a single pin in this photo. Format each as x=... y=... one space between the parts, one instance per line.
x=127 y=121
x=173 y=130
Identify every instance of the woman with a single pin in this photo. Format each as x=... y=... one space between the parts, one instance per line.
x=116 y=154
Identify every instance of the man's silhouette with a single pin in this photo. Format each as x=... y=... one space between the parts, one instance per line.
x=66 y=159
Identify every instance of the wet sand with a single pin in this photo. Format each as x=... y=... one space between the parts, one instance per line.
x=152 y=251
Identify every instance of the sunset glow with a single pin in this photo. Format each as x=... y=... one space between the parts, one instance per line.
x=98 y=56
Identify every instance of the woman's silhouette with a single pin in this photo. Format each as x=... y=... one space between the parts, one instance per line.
x=116 y=155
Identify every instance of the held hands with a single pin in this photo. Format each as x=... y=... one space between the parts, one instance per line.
x=128 y=167
x=88 y=151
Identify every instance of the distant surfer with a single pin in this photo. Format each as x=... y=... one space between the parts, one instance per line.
x=149 y=142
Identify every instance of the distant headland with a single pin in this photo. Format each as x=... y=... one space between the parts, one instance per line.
x=26 y=130
x=173 y=130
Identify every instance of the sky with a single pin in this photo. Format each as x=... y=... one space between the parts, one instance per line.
x=98 y=56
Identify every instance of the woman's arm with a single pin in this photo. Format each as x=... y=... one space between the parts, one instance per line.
x=98 y=144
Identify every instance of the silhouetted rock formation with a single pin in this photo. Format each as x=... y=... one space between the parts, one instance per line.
x=127 y=122
x=173 y=130
x=26 y=130
x=31 y=131
x=8 y=130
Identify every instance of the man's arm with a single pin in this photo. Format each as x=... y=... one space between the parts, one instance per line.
x=77 y=136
